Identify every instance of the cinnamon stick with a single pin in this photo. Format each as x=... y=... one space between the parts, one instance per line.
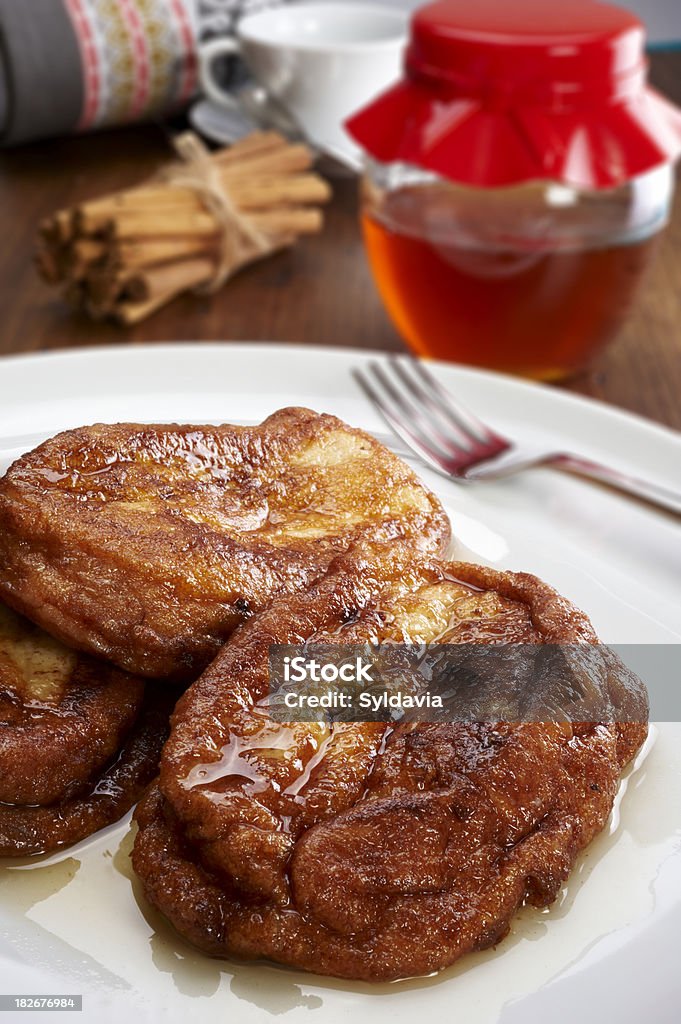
x=134 y=253
x=50 y=267
x=290 y=160
x=129 y=313
x=256 y=143
x=177 y=277
x=152 y=224
x=293 y=221
x=246 y=193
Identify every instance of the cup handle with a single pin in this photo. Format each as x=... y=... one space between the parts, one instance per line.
x=208 y=53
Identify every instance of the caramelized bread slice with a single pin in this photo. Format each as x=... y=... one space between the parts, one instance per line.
x=366 y=850
x=148 y=545
x=63 y=715
x=79 y=740
x=32 y=829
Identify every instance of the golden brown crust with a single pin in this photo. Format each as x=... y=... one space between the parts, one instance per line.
x=79 y=740
x=357 y=850
x=62 y=715
x=148 y=544
x=29 y=830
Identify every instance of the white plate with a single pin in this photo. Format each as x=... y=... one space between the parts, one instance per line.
x=73 y=923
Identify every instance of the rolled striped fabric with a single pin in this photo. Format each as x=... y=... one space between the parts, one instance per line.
x=78 y=65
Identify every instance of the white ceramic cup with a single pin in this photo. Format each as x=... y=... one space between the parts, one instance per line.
x=319 y=61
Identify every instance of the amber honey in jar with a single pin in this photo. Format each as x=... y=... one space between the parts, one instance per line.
x=516 y=182
x=532 y=280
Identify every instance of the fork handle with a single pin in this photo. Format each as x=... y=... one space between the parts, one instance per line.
x=655 y=494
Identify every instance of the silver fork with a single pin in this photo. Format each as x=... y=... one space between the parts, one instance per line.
x=454 y=442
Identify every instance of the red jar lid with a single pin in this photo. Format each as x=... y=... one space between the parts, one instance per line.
x=498 y=92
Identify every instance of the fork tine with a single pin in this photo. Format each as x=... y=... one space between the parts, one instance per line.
x=435 y=406
x=413 y=442
x=418 y=417
x=464 y=419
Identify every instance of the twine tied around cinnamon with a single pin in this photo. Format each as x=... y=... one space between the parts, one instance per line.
x=240 y=239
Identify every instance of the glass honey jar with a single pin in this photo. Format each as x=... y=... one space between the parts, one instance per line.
x=516 y=182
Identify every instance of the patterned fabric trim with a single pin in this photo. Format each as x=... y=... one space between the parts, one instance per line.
x=187 y=39
x=138 y=57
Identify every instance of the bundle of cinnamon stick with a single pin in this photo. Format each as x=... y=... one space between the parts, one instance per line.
x=127 y=254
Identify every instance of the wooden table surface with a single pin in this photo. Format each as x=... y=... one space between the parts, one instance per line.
x=319 y=293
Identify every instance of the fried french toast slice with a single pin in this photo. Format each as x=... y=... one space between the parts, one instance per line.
x=148 y=545
x=79 y=740
x=367 y=850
